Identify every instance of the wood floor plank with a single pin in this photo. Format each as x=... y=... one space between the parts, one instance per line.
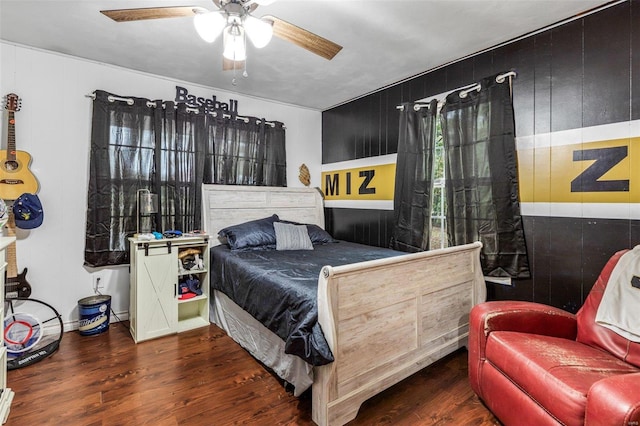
x=202 y=377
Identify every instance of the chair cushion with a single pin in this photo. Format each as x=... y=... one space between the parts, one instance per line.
x=555 y=372
x=592 y=333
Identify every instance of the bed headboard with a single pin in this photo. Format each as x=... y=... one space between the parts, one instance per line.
x=226 y=205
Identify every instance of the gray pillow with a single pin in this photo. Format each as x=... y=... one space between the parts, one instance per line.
x=292 y=237
x=317 y=234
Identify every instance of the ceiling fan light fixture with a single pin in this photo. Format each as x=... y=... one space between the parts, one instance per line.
x=258 y=30
x=209 y=25
x=234 y=43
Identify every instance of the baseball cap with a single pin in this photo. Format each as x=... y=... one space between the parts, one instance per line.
x=194 y=285
x=184 y=292
x=27 y=211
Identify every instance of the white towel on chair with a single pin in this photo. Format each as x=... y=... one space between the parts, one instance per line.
x=619 y=309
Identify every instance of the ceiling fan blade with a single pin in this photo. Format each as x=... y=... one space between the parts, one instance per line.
x=303 y=38
x=125 y=15
x=228 y=64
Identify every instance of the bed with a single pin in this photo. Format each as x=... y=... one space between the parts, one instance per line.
x=382 y=319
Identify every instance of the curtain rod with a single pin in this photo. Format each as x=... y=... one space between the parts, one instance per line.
x=464 y=91
x=130 y=101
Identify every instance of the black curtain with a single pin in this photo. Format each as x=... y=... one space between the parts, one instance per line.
x=413 y=195
x=180 y=159
x=481 y=177
x=170 y=150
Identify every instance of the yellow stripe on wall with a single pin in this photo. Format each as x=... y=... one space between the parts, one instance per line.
x=592 y=172
x=375 y=182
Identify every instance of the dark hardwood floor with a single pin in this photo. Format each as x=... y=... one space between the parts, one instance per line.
x=202 y=377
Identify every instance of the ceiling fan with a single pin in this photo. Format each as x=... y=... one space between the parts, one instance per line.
x=234 y=20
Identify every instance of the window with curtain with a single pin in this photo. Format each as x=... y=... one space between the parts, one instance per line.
x=414 y=178
x=170 y=150
x=482 y=195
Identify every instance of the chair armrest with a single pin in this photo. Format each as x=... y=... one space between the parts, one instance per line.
x=614 y=401
x=524 y=317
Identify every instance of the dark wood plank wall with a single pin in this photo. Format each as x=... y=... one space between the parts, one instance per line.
x=583 y=73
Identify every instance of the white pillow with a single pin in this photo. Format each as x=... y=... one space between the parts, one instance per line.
x=292 y=237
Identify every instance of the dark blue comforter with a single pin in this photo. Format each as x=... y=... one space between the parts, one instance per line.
x=279 y=289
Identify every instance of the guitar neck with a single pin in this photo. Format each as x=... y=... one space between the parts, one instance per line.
x=12 y=267
x=11 y=137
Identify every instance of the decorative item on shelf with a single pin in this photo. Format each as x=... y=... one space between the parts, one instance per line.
x=190 y=260
x=304 y=176
x=189 y=287
x=146 y=205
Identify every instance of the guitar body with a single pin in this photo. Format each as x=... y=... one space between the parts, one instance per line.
x=17 y=286
x=15 y=176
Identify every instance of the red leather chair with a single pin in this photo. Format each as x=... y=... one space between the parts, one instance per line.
x=534 y=364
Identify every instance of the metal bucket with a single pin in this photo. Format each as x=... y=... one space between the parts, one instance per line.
x=94 y=312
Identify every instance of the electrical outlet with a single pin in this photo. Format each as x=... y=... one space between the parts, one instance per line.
x=98 y=282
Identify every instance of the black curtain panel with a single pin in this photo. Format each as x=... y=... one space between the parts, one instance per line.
x=180 y=148
x=121 y=162
x=248 y=151
x=413 y=195
x=170 y=150
x=481 y=176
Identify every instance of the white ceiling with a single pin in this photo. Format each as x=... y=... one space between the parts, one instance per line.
x=384 y=41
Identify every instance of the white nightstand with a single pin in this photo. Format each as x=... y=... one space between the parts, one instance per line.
x=155 y=308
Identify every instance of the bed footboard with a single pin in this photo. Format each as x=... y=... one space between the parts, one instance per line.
x=387 y=319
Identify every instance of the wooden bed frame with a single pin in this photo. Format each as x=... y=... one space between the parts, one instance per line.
x=385 y=319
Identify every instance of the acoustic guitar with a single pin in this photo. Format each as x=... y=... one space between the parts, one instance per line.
x=15 y=285
x=15 y=176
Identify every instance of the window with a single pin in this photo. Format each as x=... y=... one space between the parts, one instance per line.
x=438 y=209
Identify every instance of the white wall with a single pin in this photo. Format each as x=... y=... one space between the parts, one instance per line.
x=54 y=126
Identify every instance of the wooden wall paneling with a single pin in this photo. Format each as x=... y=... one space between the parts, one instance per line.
x=385 y=130
x=538 y=237
x=565 y=262
x=634 y=233
x=607 y=74
x=434 y=82
x=635 y=59
x=342 y=221
x=459 y=74
x=363 y=226
x=363 y=117
x=483 y=65
x=335 y=135
x=567 y=74
x=417 y=85
x=542 y=90
x=394 y=98
x=522 y=59
x=601 y=239
x=376 y=125
x=354 y=128
x=504 y=58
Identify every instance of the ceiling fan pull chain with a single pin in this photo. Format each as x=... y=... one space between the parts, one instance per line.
x=245 y=74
